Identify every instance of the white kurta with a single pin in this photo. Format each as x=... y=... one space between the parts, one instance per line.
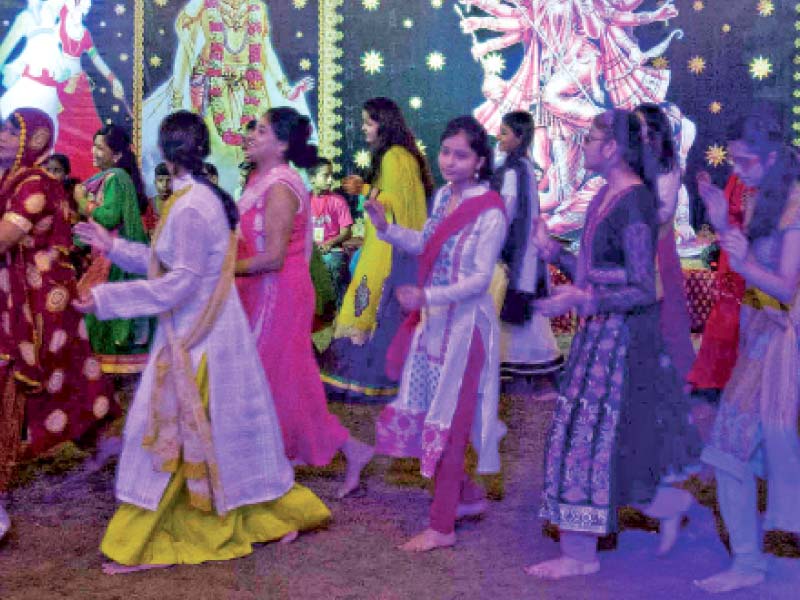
x=457 y=302
x=531 y=346
x=244 y=426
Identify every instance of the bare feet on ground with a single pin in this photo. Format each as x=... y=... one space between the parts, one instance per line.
x=358 y=455
x=113 y=568
x=473 y=509
x=430 y=539
x=562 y=567
x=289 y=537
x=730 y=580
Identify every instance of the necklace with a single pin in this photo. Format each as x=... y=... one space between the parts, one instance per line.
x=220 y=75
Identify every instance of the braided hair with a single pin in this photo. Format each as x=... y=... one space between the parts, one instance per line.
x=183 y=139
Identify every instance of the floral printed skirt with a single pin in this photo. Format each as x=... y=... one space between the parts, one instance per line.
x=621 y=424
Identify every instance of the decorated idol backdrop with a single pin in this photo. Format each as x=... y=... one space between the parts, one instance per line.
x=73 y=60
x=704 y=61
x=229 y=60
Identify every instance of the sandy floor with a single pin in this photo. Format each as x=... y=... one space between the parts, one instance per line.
x=52 y=550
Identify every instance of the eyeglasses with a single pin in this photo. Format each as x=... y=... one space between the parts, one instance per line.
x=588 y=140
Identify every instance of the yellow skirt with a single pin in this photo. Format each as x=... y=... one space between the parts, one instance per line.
x=177 y=533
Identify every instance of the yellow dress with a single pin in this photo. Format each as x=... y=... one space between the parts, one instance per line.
x=176 y=533
x=403 y=196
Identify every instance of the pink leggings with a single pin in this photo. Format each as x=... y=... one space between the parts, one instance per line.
x=451 y=484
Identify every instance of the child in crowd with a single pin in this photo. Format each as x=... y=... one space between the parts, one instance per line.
x=332 y=223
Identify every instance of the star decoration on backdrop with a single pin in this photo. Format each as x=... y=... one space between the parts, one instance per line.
x=415 y=102
x=155 y=61
x=697 y=64
x=372 y=61
x=698 y=5
x=726 y=28
x=422 y=147
x=435 y=61
x=124 y=57
x=305 y=64
x=436 y=3
x=119 y=9
x=362 y=158
x=494 y=63
x=298 y=4
x=715 y=107
x=716 y=155
x=660 y=62
x=160 y=3
x=765 y=8
x=371 y=4
x=408 y=23
x=760 y=67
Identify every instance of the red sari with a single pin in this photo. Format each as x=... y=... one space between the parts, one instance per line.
x=719 y=348
x=47 y=371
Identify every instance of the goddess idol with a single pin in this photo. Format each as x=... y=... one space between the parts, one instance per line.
x=226 y=69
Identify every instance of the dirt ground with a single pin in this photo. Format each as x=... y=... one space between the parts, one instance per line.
x=52 y=549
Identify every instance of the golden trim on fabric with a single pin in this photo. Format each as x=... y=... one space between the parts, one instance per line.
x=18 y=220
x=137 y=91
x=330 y=58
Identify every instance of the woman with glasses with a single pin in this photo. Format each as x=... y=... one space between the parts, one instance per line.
x=620 y=433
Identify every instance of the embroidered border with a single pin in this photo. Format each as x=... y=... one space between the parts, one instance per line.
x=329 y=103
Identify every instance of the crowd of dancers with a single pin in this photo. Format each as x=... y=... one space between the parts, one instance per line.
x=213 y=300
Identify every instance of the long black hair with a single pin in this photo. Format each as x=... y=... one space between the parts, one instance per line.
x=393 y=131
x=624 y=127
x=521 y=124
x=183 y=139
x=291 y=127
x=658 y=137
x=119 y=141
x=477 y=138
x=762 y=134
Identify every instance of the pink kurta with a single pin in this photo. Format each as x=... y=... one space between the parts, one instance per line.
x=280 y=308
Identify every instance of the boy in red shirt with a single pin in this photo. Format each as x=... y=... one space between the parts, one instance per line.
x=331 y=221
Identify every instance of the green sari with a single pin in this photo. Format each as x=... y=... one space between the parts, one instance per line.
x=121 y=344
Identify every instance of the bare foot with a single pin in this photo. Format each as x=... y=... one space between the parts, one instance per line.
x=561 y=567
x=358 y=455
x=5 y=522
x=107 y=449
x=730 y=580
x=473 y=509
x=289 y=537
x=113 y=568
x=668 y=534
x=430 y=539
x=670 y=527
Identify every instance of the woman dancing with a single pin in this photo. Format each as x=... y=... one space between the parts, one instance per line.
x=621 y=432
x=202 y=475
x=275 y=287
x=755 y=433
x=447 y=348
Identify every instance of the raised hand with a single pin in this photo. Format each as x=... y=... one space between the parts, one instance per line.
x=377 y=214
x=734 y=242
x=352 y=184
x=715 y=202
x=410 y=297
x=94 y=235
x=305 y=85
